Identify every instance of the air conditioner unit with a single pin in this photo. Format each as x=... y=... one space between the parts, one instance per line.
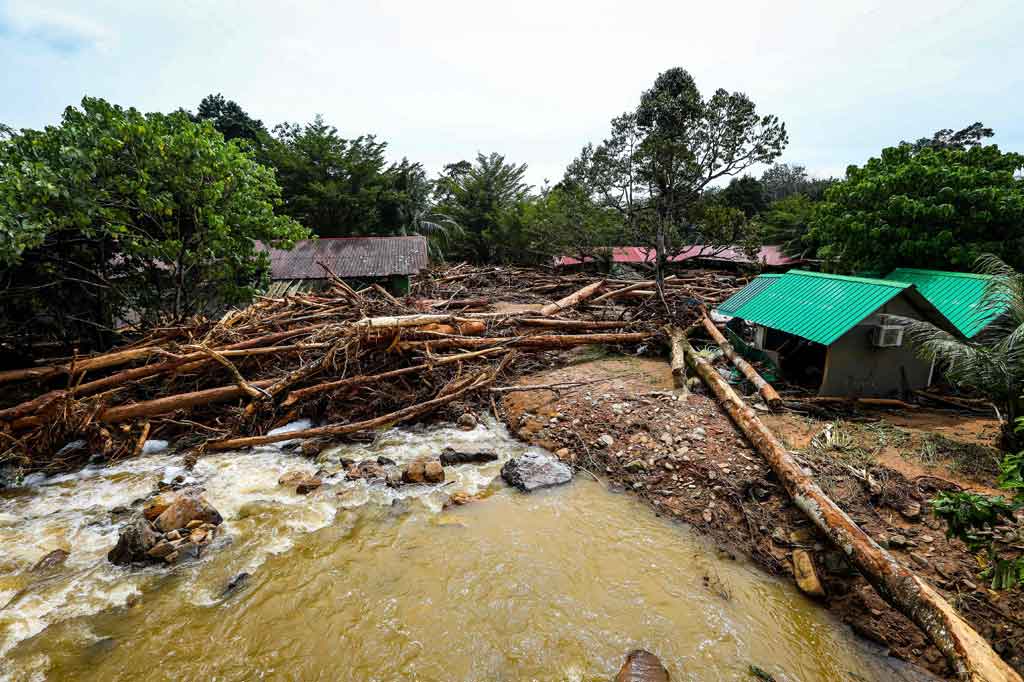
x=887 y=336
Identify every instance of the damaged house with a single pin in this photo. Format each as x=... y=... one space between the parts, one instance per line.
x=844 y=334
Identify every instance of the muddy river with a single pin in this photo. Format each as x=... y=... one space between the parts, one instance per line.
x=367 y=583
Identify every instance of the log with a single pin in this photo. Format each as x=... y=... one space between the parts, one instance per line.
x=172 y=403
x=770 y=395
x=538 y=341
x=878 y=402
x=395 y=417
x=677 y=342
x=584 y=325
x=631 y=287
x=572 y=299
x=972 y=657
x=106 y=360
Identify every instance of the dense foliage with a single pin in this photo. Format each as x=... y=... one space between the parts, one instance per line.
x=114 y=214
x=933 y=206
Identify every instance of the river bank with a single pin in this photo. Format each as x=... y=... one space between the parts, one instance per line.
x=685 y=459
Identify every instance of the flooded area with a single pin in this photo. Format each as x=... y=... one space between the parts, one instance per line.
x=362 y=582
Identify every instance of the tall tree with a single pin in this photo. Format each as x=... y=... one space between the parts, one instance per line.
x=746 y=194
x=485 y=198
x=784 y=179
x=965 y=138
x=116 y=214
x=228 y=117
x=660 y=159
x=933 y=207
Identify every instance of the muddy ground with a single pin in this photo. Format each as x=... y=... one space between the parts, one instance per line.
x=683 y=456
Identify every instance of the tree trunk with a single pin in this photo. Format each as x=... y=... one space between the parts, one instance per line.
x=539 y=341
x=572 y=299
x=771 y=397
x=970 y=655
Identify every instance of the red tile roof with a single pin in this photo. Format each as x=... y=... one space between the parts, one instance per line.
x=766 y=255
x=349 y=257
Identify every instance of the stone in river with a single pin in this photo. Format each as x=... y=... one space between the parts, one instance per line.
x=535 y=470
x=303 y=482
x=423 y=471
x=185 y=508
x=805 y=574
x=134 y=542
x=450 y=457
x=235 y=583
x=642 y=666
x=52 y=559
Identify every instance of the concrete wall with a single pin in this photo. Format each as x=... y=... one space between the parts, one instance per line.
x=855 y=368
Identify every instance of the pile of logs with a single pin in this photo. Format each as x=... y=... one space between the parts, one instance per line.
x=348 y=360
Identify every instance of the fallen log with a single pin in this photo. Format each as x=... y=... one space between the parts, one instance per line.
x=972 y=657
x=770 y=395
x=173 y=403
x=572 y=299
x=389 y=419
x=79 y=365
x=878 y=402
x=631 y=287
x=570 y=324
x=677 y=343
x=538 y=341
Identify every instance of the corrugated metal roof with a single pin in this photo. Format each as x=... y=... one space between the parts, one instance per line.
x=349 y=257
x=741 y=297
x=958 y=295
x=817 y=306
x=766 y=255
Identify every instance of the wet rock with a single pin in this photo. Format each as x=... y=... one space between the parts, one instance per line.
x=133 y=544
x=467 y=422
x=423 y=471
x=52 y=560
x=367 y=470
x=311 y=448
x=385 y=461
x=805 y=574
x=235 y=584
x=304 y=483
x=535 y=470
x=155 y=506
x=394 y=478
x=451 y=457
x=642 y=666
x=185 y=508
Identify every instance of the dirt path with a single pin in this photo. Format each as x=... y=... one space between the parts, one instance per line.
x=684 y=457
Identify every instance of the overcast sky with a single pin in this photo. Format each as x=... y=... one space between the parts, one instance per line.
x=440 y=81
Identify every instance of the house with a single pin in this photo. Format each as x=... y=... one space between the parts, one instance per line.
x=768 y=257
x=960 y=296
x=845 y=334
x=362 y=260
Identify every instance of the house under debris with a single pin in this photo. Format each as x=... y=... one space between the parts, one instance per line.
x=845 y=333
x=389 y=261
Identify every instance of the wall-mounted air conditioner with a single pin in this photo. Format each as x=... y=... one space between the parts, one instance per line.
x=887 y=336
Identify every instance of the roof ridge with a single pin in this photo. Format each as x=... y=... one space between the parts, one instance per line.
x=942 y=273
x=851 y=278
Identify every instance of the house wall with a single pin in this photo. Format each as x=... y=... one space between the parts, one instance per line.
x=855 y=368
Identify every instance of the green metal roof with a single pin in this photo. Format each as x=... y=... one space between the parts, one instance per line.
x=958 y=295
x=753 y=288
x=813 y=305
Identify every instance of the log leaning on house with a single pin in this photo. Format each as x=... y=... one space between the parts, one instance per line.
x=770 y=395
x=969 y=653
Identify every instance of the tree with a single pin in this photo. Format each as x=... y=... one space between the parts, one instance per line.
x=931 y=207
x=746 y=194
x=784 y=179
x=993 y=362
x=565 y=221
x=660 y=159
x=787 y=223
x=115 y=214
x=965 y=138
x=486 y=199
x=231 y=120
x=408 y=205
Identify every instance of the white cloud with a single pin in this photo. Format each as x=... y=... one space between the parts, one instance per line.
x=60 y=29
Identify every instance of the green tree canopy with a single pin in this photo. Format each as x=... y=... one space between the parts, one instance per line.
x=228 y=117
x=115 y=214
x=934 y=207
x=746 y=194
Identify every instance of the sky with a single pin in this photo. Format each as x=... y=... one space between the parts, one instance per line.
x=441 y=81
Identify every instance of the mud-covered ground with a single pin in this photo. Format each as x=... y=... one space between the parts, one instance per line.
x=686 y=459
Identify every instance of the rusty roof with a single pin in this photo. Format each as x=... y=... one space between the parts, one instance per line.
x=349 y=257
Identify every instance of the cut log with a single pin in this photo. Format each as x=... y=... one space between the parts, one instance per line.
x=341 y=429
x=80 y=365
x=539 y=341
x=572 y=299
x=770 y=395
x=971 y=656
x=677 y=341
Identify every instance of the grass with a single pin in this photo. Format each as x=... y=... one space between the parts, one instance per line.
x=842 y=440
x=980 y=462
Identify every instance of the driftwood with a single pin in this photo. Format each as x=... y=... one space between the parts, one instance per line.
x=677 y=342
x=631 y=287
x=972 y=658
x=538 y=341
x=770 y=395
x=572 y=299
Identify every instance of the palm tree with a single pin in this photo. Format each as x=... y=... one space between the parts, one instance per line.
x=991 y=363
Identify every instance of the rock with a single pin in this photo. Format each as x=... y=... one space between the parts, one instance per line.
x=535 y=470
x=386 y=461
x=564 y=454
x=155 y=506
x=450 y=457
x=304 y=483
x=186 y=508
x=161 y=549
x=919 y=560
x=423 y=471
x=235 y=584
x=605 y=440
x=137 y=537
x=367 y=469
x=642 y=666
x=635 y=465
x=467 y=422
x=802 y=536
x=310 y=448
x=52 y=560
x=911 y=510
x=698 y=433
x=897 y=541
x=805 y=574
x=394 y=478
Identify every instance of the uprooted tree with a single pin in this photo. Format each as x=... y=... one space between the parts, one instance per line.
x=115 y=215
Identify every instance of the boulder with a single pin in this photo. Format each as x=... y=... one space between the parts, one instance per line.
x=467 y=422
x=155 y=506
x=52 y=559
x=366 y=469
x=187 y=507
x=642 y=666
x=304 y=483
x=133 y=544
x=535 y=470
x=450 y=457
x=394 y=478
x=805 y=574
x=423 y=470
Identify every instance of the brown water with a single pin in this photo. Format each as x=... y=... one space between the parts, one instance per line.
x=358 y=583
